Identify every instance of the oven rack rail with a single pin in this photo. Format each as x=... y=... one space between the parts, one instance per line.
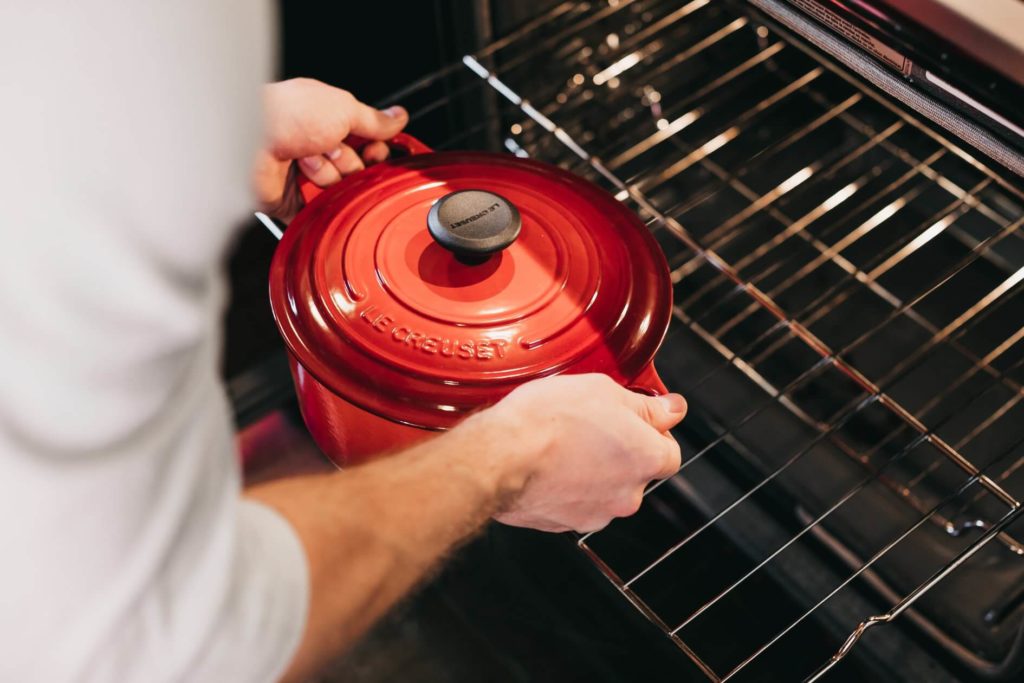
x=716 y=272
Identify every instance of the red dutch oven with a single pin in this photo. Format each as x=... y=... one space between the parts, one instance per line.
x=428 y=286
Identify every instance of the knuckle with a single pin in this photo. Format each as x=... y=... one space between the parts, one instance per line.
x=666 y=460
x=630 y=504
x=675 y=455
x=590 y=526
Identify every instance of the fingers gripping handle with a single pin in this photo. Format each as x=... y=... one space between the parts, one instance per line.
x=403 y=141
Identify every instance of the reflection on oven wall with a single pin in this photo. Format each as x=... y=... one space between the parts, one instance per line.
x=849 y=307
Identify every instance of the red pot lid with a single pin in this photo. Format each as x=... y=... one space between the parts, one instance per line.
x=374 y=304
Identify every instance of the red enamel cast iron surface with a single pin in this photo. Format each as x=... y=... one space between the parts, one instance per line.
x=428 y=286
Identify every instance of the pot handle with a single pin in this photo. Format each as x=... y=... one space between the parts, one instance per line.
x=648 y=382
x=403 y=141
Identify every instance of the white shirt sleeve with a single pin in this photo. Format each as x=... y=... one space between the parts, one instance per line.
x=126 y=553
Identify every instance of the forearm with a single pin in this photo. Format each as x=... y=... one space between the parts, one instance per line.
x=372 y=532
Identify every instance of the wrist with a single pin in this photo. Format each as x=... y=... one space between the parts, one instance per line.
x=502 y=450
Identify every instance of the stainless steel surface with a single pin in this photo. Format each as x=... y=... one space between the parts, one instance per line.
x=849 y=291
x=897 y=86
x=269 y=224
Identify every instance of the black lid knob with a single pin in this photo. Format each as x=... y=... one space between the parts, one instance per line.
x=473 y=224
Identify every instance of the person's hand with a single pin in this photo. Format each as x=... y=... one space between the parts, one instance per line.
x=306 y=122
x=580 y=450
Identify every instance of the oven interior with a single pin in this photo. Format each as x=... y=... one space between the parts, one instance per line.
x=848 y=330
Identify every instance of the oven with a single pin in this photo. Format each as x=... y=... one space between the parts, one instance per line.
x=837 y=187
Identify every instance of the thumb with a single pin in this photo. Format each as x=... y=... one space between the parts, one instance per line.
x=661 y=412
x=376 y=124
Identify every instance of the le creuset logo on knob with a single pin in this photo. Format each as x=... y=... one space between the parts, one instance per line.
x=473 y=224
x=464 y=349
x=475 y=217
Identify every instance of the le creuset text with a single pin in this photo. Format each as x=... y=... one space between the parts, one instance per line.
x=461 y=349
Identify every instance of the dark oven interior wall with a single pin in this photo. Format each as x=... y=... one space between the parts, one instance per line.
x=373 y=48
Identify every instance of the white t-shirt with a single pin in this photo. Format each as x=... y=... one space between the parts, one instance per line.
x=127 y=129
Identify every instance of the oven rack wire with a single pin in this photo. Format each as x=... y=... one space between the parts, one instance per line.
x=543 y=87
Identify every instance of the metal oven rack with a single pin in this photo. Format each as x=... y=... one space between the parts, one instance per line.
x=849 y=330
